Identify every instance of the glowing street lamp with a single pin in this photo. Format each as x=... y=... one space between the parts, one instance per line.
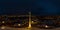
x=32 y=21
x=46 y=26
x=3 y=21
x=2 y=27
x=19 y=24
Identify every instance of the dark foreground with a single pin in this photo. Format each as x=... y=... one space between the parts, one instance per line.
x=10 y=28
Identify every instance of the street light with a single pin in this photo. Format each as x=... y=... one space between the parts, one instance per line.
x=19 y=24
x=32 y=21
x=3 y=21
x=2 y=27
x=46 y=26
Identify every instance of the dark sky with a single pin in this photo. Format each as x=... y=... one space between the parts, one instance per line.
x=37 y=7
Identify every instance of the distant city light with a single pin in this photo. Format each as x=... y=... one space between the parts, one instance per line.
x=3 y=21
x=2 y=27
x=19 y=24
x=32 y=21
x=46 y=26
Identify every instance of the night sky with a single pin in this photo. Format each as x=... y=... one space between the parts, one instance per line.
x=37 y=7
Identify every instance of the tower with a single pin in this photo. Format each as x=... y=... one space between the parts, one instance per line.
x=29 y=20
